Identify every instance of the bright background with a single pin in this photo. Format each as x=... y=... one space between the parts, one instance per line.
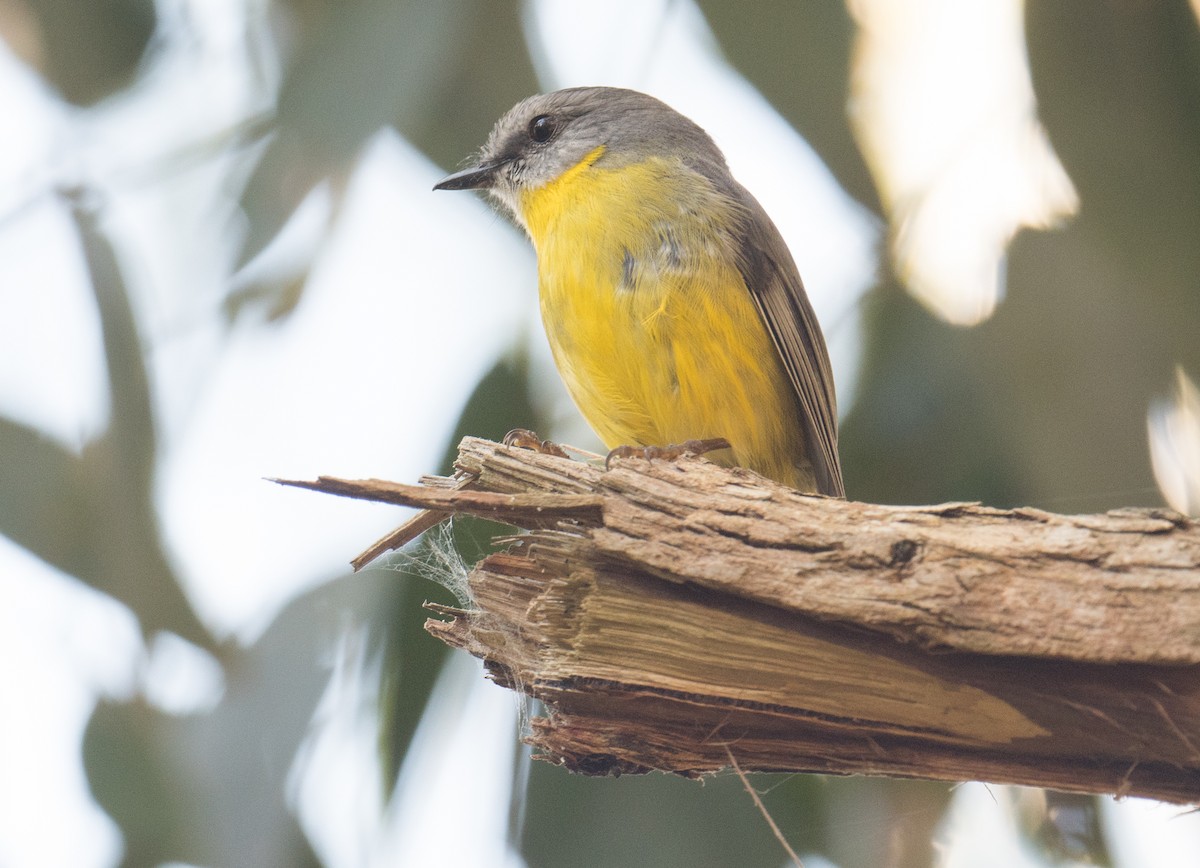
x=221 y=260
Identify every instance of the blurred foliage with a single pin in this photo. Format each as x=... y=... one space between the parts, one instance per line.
x=92 y=515
x=1065 y=827
x=210 y=788
x=929 y=402
x=1044 y=404
x=798 y=55
x=411 y=661
x=362 y=64
x=652 y=820
x=665 y=821
x=1121 y=100
x=85 y=50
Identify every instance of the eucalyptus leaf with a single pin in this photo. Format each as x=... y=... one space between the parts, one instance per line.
x=89 y=50
x=412 y=658
x=429 y=69
x=799 y=57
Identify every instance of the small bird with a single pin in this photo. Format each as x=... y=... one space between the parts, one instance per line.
x=673 y=308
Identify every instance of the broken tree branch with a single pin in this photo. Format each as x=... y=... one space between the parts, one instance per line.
x=666 y=613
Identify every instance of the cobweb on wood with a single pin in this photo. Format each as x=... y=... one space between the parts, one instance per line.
x=435 y=557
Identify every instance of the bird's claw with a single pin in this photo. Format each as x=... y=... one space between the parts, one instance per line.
x=523 y=438
x=672 y=452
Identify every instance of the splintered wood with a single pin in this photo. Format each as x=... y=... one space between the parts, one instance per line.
x=669 y=614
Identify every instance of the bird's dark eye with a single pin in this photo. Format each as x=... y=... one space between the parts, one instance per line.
x=542 y=128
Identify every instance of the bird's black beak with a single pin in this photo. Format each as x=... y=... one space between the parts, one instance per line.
x=475 y=178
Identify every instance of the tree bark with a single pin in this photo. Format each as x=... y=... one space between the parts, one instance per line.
x=664 y=612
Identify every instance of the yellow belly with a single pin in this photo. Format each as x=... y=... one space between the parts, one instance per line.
x=650 y=322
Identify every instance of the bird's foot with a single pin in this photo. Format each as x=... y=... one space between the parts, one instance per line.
x=672 y=452
x=523 y=438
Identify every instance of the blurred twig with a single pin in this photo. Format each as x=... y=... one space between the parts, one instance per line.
x=762 y=809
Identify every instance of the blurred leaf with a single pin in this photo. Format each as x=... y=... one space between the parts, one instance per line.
x=655 y=820
x=135 y=784
x=375 y=62
x=1063 y=827
x=86 y=50
x=798 y=56
x=274 y=297
x=412 y=658
x=116 y=543
x=43 y=500
x=211 y=789
x=923 y=428
x=658 y=820
x=490 y=72
x=1046 y=403
x=666 y=821
x=901 y=816
x=1120 y=98
x=131 y=425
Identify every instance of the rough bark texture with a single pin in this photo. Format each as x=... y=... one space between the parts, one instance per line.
x=664 y=612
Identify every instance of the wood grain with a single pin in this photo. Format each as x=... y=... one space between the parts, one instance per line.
x=666 y=613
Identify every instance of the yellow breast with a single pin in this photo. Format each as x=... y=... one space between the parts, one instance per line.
x=649 y=319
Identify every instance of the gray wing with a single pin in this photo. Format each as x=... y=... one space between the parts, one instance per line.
x=774 y=283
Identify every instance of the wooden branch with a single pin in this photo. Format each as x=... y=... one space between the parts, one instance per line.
x=671 y=614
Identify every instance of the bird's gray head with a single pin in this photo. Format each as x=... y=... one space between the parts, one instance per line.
x=545 y=135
